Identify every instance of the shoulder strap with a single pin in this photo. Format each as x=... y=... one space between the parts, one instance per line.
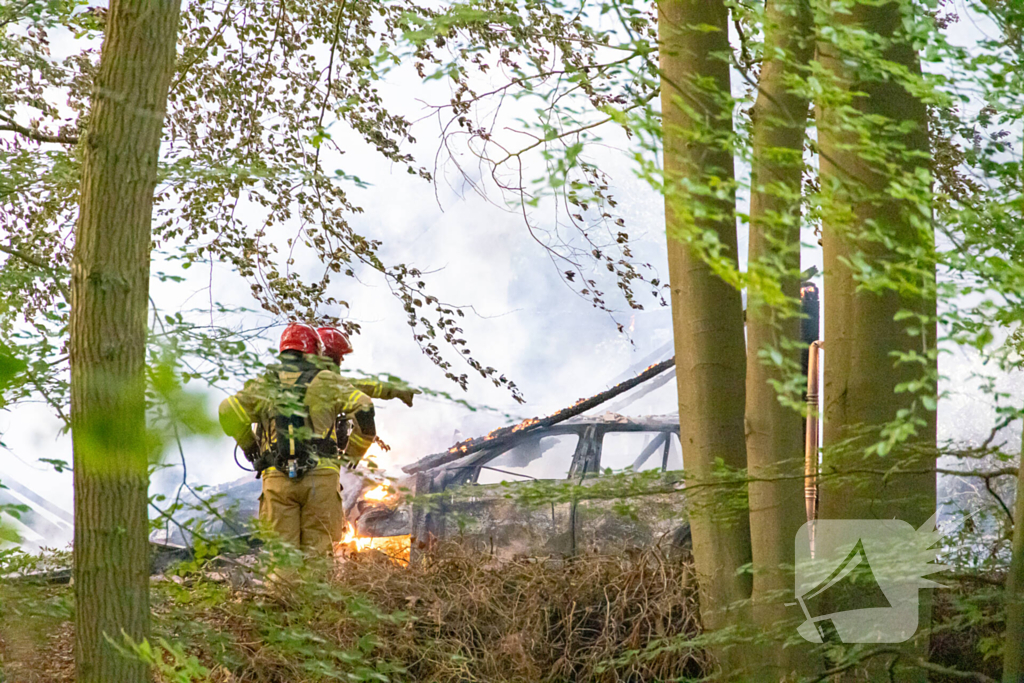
x=307 y=376
x=295 y=375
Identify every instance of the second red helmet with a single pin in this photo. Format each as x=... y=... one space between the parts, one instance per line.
x=300 y=337
x=336 y=343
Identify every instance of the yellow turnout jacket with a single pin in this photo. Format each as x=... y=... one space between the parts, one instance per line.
x=328 y=396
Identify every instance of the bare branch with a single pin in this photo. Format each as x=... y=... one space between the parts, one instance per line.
x=36 y=135
x=977 y=578
x=990 y=474
x=999 y=499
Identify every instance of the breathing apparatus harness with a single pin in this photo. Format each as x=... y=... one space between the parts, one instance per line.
x=293 y=450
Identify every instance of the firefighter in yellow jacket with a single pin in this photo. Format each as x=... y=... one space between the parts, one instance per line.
x=295 y=407
x=336 y=346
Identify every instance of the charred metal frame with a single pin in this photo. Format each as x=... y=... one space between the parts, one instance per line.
x=429 y=525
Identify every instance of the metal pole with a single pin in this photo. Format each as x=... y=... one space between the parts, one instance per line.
x=811 y=440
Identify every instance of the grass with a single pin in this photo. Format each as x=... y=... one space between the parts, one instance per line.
x=457 y=617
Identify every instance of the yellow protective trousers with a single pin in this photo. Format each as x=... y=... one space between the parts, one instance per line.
x=306 y=512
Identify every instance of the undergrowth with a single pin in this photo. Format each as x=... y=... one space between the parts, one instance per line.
x=456 y=617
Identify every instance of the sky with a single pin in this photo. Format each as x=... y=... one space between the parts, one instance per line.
x=525 y=322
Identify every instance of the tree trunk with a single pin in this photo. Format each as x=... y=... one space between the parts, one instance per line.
x=707 y=315
x=109 y=300
x=861 y=329
x=866 y=325
x=1013 y=641
x=775 y=431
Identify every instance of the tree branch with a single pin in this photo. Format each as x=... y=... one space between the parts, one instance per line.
x=990 y=474
x=31 y=260
x=36 y=135
x=916 y=662
x=976 y=578
x=953 y=673
x=999 y=499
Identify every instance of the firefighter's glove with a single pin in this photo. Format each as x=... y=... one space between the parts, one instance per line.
x=405 y=396
x=252 y=452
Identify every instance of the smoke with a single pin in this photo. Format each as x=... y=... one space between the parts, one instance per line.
x=475 y=251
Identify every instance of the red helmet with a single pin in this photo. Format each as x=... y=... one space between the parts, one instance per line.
x=336 y=343
x=300 y=337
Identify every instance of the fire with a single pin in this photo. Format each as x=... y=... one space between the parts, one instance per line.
x=525 y=423
x=379 y=493
x=395 y=547
x=380 y=458
x=355 y=543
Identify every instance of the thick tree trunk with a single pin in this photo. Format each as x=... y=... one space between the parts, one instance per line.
x=861 y=326
x=1013 y=641
x=707 y=313
x=775 y=431
x=109 y=300
x=865 y=326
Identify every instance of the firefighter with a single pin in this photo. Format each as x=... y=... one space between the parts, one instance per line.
x=337 y=346
x=295 y=406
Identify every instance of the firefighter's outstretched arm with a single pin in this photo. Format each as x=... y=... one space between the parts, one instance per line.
x=384 y=390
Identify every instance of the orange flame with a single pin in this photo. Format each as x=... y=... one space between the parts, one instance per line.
x=353 y=542
x=525 y=423
x=395 y=547
x=379 y=493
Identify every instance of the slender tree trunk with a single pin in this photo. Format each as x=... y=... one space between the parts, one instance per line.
x=864 y=327
x=775 y=431
x=707 y=313
x=109 y=300
x=1013 y=641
